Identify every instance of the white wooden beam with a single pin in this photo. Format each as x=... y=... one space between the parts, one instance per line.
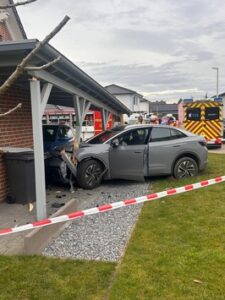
x=71 y=89
x=105 y=117
x=35 y=90
x=81 y=107
x=45 y=93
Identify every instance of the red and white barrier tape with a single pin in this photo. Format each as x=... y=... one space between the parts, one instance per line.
x=111 y=206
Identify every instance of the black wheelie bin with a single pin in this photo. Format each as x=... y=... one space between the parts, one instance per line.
x=21 y=177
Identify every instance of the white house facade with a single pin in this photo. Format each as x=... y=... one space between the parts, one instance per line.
x=133 y=100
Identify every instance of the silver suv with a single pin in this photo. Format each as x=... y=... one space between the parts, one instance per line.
x=137 y=151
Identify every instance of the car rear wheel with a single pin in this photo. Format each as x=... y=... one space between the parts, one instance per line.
x=89 y=174
x=185 y=167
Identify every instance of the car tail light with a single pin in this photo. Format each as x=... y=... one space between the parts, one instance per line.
x=218 y=141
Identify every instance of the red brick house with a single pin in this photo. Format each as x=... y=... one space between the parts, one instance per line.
x=18 y=132
x=61 y=84
x=11 y=27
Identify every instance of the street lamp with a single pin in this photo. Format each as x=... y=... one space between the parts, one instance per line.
x=217 y=80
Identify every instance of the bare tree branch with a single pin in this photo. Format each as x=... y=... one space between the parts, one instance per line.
x=11 y=110
x=17 y=4
x=43 y=66
x=21 y=67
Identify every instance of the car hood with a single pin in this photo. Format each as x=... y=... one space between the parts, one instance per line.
x=99 y=151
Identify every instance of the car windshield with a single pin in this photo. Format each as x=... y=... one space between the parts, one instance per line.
x=49 y=133
x=105 y=135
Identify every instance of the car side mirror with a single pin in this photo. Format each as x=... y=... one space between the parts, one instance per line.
x=115 y=143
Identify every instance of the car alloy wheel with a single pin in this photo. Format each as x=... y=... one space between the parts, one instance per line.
x=89 y=174
x=185 y=167
x=92 y=174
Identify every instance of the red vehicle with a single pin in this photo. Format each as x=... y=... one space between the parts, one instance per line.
x=98 y=122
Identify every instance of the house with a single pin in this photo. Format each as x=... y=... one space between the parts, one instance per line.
x=161 y=108
x=11 y=28
x=61 y=84
x=133 y=100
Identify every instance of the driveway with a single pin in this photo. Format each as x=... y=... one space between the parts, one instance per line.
x=103 y=236
x=12 y=215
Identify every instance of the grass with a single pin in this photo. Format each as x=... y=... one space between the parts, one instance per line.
x=177 y=251
x=35 y=277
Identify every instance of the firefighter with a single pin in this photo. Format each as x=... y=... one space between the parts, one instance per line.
x=154 y=119
x=169 y=119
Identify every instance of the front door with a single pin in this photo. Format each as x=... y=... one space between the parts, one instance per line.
x=128 y=160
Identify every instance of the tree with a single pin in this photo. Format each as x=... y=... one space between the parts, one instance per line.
x=17 y=4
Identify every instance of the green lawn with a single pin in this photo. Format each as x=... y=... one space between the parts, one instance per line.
x=177 y=251
x=178 y=240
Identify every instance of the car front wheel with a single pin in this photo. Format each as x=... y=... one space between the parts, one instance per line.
x=185 y=167
x=89 y=174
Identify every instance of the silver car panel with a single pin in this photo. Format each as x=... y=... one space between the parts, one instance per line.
x=127 y=162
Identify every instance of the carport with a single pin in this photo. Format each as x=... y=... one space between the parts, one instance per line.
x=62 y=83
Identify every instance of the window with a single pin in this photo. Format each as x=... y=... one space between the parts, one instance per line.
x=193 y=114
x=165 y=134
x=105 y=135
x=49 y=133
x=160 y=134
x=65 y=132
x=134 y=137
x=212 y=113
x=176 y=134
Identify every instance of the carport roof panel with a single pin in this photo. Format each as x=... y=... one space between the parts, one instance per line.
x=64 y=69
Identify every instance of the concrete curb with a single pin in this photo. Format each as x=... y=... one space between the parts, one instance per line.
x=38 y=239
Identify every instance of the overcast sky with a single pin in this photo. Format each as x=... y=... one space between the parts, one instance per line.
x=164 y=49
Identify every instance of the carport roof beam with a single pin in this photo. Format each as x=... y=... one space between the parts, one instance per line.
x=69 y=88
x=11 y=53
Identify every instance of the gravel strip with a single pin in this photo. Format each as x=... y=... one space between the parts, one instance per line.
x=103 y=236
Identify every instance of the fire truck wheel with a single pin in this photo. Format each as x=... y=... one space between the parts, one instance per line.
x=89 y=174
x=185 y=167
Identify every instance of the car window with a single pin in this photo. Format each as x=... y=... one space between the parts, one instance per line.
x=105 y=135
x=160 y=134
x=134 y=137
x=176 y=134
x=49 y=133
x=65 y=132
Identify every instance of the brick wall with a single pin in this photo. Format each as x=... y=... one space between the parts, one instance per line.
x=4 y=33
x=15 y=129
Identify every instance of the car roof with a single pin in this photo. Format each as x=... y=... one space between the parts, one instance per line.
x=56 y=125
x=147 y=125
x=136 y=126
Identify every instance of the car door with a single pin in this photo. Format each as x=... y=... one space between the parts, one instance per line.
x=128 y=159
x=165 y=144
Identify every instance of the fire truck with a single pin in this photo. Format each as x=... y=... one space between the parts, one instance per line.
x=91 y=126
x=203 y=117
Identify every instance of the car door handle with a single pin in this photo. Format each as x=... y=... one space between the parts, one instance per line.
x=176 y=146
x=137 y=151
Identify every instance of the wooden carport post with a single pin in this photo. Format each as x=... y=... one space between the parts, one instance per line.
x=38 y=103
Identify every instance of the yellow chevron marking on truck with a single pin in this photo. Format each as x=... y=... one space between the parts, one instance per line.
x=211 y=129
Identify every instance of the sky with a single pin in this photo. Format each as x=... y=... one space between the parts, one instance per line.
x=163 y=49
